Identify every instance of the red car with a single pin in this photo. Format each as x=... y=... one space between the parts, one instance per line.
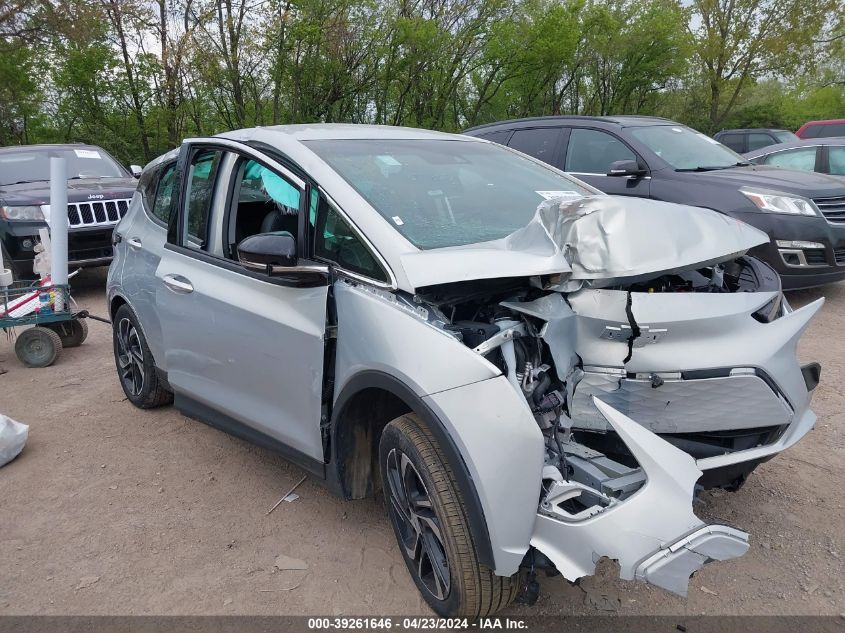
x=822 y=129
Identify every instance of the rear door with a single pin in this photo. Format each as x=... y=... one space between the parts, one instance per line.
x=143 y=241
x=589 y=155
x=243 y=349
x=835 y=161
x=806 y=158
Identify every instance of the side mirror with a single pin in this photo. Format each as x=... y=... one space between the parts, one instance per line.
x=268 y=253
x=626 y=168
x=136 y=170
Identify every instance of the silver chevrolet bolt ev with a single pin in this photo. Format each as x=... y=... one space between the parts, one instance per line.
x=534 y=374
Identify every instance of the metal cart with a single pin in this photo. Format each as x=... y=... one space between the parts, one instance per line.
x=48 y=309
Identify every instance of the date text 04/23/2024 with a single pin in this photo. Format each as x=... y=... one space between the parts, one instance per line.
x=415 y=623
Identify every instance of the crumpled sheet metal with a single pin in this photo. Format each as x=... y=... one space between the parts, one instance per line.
x=654 y=534
x=611 y=238
x=599 y=239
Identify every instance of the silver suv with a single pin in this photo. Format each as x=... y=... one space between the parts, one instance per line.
x=536 y=375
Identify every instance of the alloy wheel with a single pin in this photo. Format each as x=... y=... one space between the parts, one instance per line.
x=130 y=357
x=413 y=515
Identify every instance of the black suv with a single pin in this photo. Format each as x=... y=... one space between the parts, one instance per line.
x=99 y=191
x=802 y=212
x=749 y=139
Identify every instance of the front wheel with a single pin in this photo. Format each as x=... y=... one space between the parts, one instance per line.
x=427 y=512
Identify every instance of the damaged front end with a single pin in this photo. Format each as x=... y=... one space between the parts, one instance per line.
x=635 y=372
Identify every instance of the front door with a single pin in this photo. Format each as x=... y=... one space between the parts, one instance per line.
x=589 y=155
x=245 y=347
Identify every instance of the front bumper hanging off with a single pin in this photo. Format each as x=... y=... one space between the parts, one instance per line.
x=654 y=534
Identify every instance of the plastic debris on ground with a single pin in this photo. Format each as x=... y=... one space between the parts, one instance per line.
x=12 y=439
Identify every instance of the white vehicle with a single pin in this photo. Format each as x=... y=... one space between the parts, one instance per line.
x=530 y=370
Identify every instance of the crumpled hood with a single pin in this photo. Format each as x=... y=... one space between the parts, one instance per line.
x=599 y=239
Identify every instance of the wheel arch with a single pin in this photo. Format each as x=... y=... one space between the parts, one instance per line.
x=366 y=404
x=114 y=305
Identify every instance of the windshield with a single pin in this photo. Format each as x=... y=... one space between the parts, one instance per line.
x=685 y=149
x=34 y=165
x=785 y=137
x=439 y=193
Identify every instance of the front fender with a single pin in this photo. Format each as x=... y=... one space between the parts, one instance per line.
x=502 y=447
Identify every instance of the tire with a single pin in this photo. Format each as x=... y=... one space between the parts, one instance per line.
x=136 y=368
x=38 y=347
x=409 y=453
x=73 y=333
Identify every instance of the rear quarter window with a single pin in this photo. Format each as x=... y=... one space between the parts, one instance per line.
x=500 y=136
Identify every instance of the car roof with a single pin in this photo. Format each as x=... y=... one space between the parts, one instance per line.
x=824 y=122
x=337 y=131
x=769 y=149
x=44 y=147
x=754 y=129
x=621 y=121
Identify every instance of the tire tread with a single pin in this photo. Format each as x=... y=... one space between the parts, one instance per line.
x=484 y=593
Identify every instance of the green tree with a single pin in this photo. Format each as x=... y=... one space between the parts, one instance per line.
x=739 y=41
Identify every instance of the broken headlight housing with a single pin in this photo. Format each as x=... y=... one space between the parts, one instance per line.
x=778 y=202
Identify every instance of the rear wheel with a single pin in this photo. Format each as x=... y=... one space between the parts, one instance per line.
x=427 y=513
x=38 y=347
x=135 y=366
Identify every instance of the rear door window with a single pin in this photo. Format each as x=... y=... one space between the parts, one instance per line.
x=800 y=158
x=538 y=142
x=164 y=193
x=836 y=158
x=593 y=152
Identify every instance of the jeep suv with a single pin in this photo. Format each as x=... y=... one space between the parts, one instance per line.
x=98 y=191
x=532 y=374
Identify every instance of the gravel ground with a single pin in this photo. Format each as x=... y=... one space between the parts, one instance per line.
x=112 y=510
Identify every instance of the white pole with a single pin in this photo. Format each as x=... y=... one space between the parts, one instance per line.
x=58 y=220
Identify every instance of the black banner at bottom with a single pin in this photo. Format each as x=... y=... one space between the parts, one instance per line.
x=529 y=624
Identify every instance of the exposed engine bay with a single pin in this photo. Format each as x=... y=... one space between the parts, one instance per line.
x=528 y=330
x=509 y=322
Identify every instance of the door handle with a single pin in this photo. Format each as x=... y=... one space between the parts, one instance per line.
x=134 y=242
x=177 y=283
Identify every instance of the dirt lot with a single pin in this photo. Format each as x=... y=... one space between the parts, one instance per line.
x=112 y=510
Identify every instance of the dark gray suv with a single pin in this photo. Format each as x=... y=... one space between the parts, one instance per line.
x=802 y=212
